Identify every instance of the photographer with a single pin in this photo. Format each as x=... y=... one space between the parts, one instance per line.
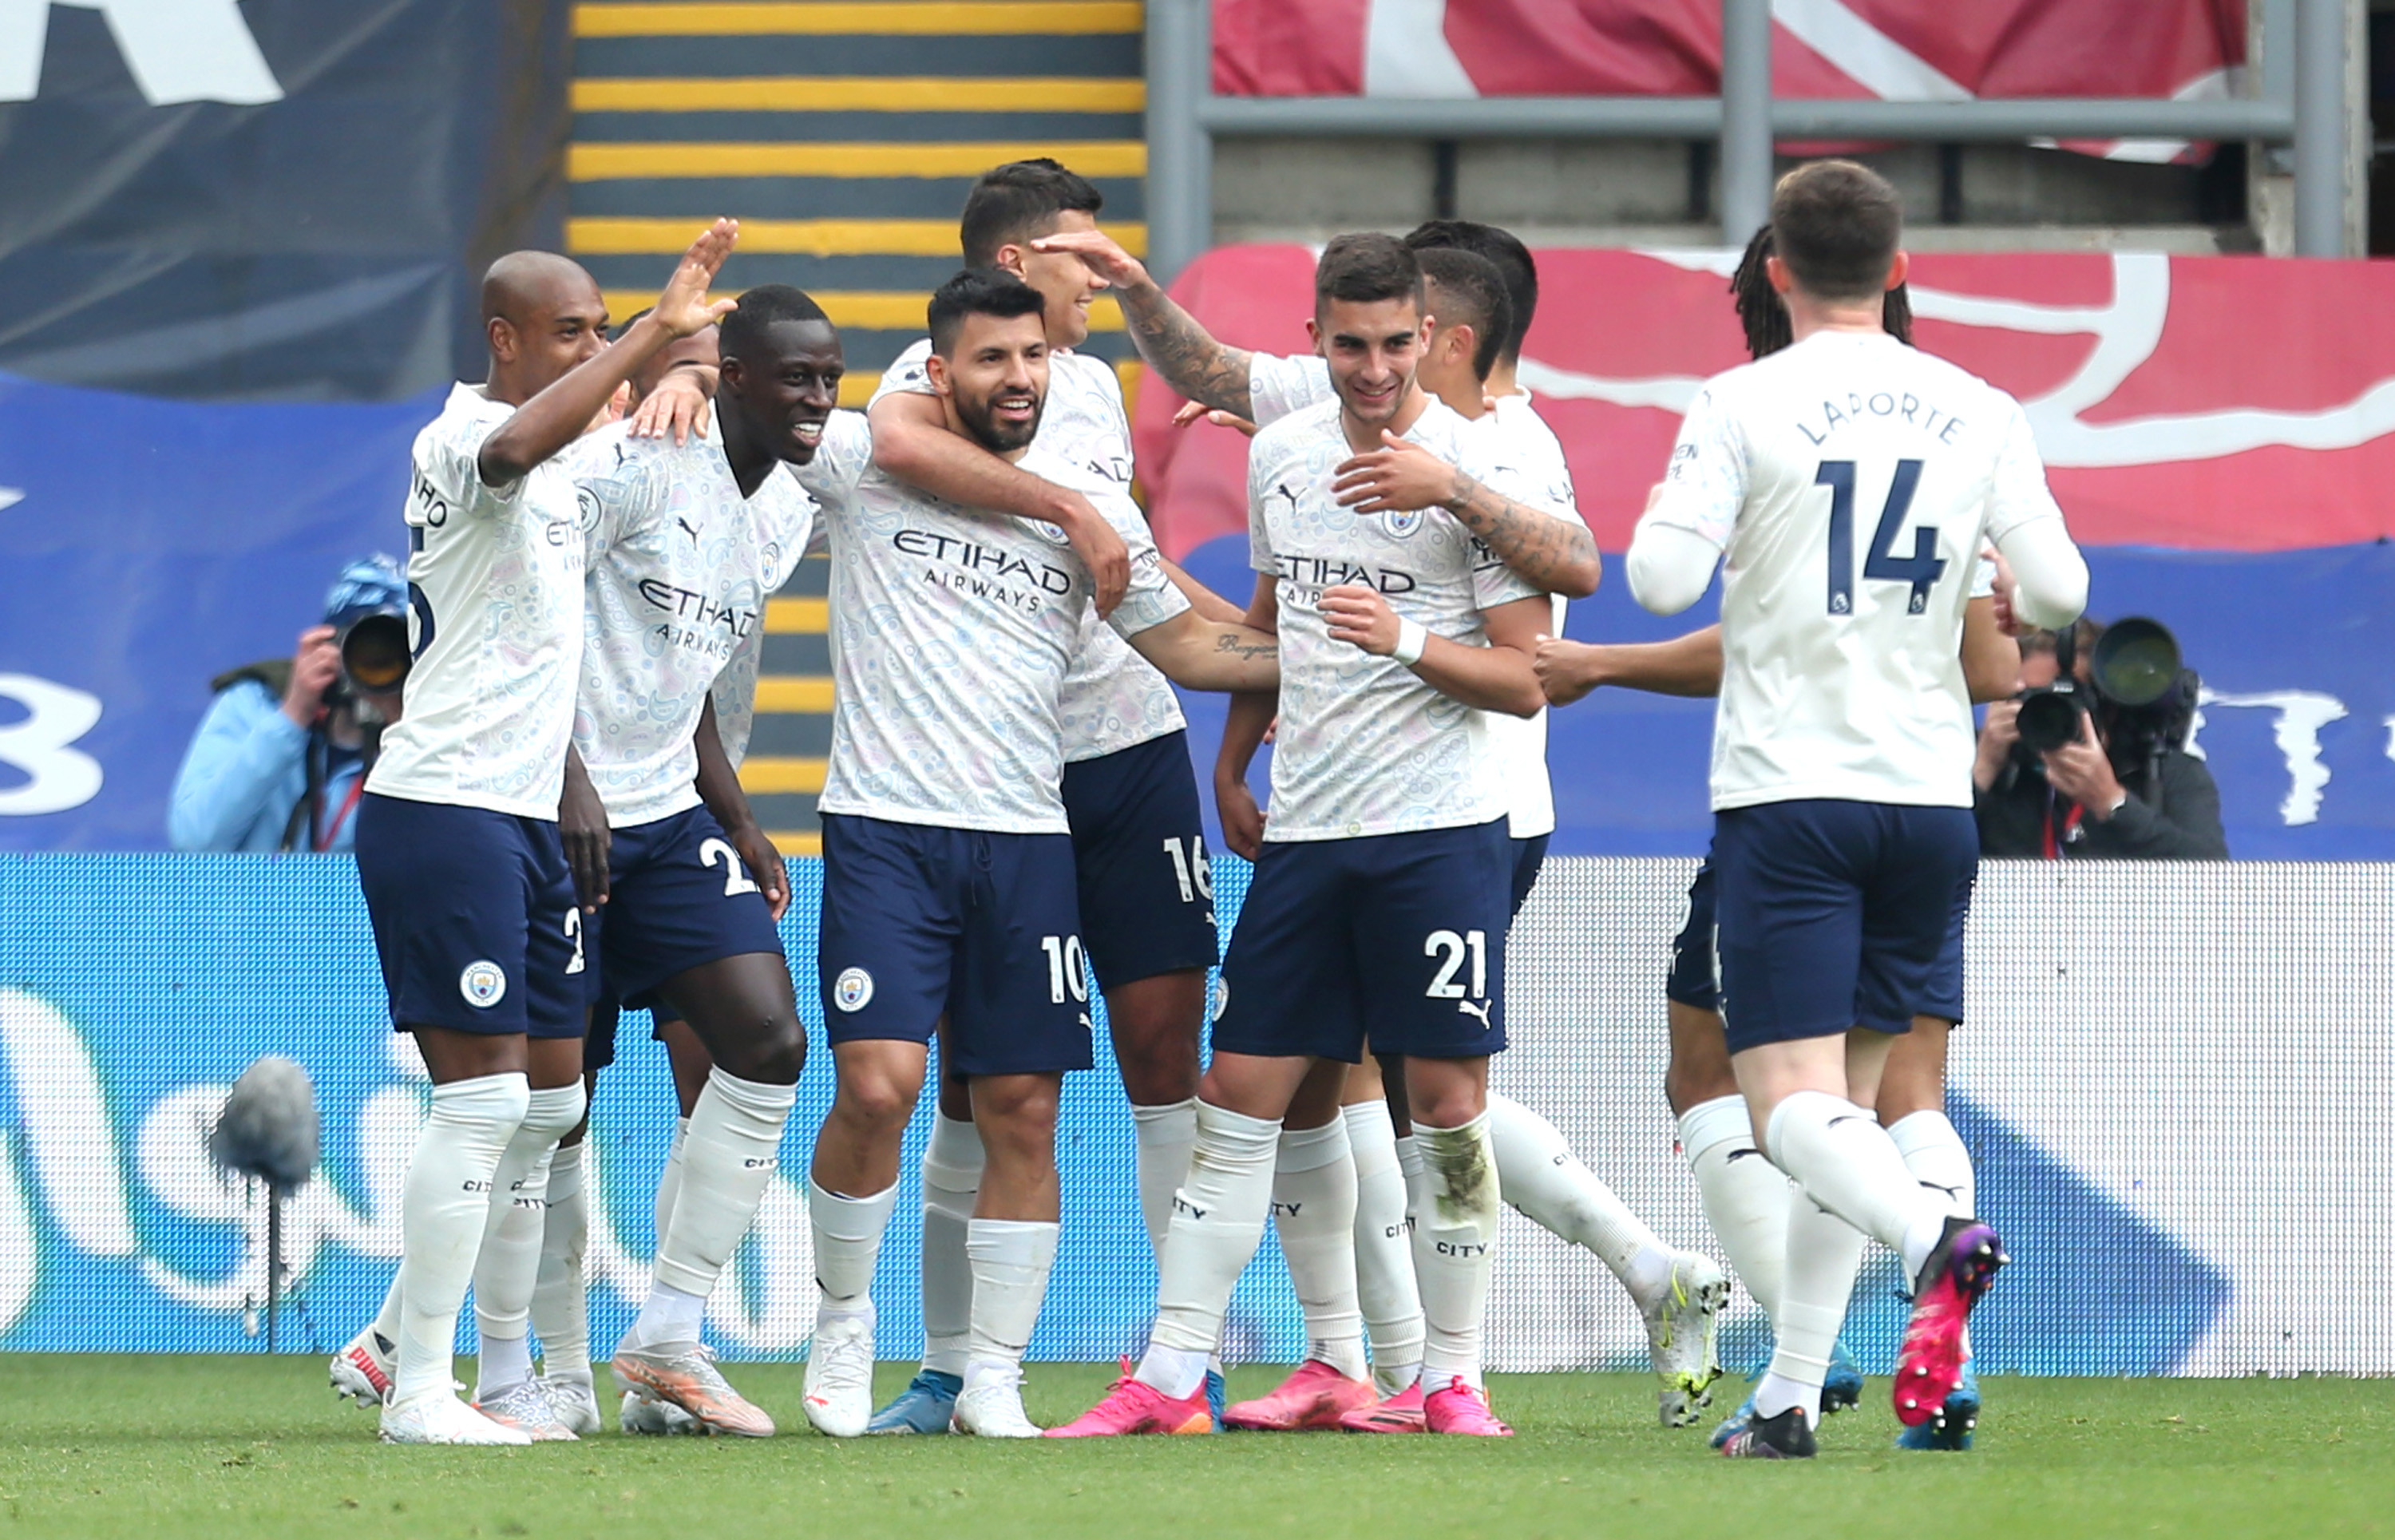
x=279 y=758
x=2125 y=788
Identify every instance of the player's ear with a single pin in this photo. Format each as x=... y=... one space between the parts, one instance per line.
x=1777 y=271
x=501 y=334
x=1009 y=259
x=1314 y=333
x=935 y=370
x=729 y=374
x=1897 y=268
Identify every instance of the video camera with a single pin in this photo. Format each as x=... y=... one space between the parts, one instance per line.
x=367 y=610
x=2136 y=686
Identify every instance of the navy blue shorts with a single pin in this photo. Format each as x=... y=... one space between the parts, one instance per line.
x=920 y=921
x=1400 y=936
x=1529 y=856
x=474 y=918
x=1839 y=914
x=677 y=897
x=1694 y=980
x=1139 y=847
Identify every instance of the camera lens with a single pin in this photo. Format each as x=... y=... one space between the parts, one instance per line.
x=2048 y=720
x=374 y=653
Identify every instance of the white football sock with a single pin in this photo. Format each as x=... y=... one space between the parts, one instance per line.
x=386 y=1322
x=1938 y=1161
x=952 y=1165
x=848 y=1244
x=444 y=1208
x=1313 y=1209
x=1823 y=1254
x=560 y=1297
x=1744 y=1196
x=670 y=1179
x=733 y=1150
x=1218 y=1221
x=509 y=1265
x=1455 y=1237
x=1537 y=1174
x=1845 y=1160
x=1384 y=1251
x=1010 y=1262
x=1163 y=1137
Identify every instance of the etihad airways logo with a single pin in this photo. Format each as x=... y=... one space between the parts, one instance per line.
x=1322 y=572
x=985 y=572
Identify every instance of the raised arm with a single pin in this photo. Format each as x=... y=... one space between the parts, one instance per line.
x=1545 y=547
x=559 y=415
x=1168 y=337
x=912 y=443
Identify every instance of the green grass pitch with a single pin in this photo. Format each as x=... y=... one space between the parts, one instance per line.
x=206 y=1447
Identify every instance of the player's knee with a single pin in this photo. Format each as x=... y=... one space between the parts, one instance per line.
x=774 y=1054
x=875 y=1100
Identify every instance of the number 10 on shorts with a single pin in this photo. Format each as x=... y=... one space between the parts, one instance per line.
x=1064 y=969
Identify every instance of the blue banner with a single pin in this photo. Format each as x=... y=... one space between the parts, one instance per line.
x=2299 y=726
x=135 y=990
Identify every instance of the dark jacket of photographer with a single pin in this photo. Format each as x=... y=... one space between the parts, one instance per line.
x=2020 y=815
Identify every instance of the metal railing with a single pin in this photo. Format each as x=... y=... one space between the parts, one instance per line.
x=2298 y=96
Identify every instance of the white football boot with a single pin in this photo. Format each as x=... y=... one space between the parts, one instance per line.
x=444 y=1420
x=994 y=1410
x=840 y=1375
x=1682 y=1331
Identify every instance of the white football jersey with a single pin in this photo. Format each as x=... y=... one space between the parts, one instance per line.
x=951 y=633
x=495 y=620
x=680 y=565
x=1113 y=699
x=1851 y=482
x=1365 y=747
x=1527 y=464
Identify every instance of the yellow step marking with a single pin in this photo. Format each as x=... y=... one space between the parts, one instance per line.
x=617 y=237
x=587 y=163
x=791 y=841
x=856 y=390
x=910 y=18
x=797 y=617
x=867 y=309
x=862 y=94
x=764 y=773
x=794 y=693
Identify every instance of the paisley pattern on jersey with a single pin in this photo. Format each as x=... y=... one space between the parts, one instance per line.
x=1112 y=699
x=951 y=633
x=680 y=567
x=1365 y=747
x=495 y=580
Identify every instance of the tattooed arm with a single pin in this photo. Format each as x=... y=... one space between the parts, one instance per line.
x=1168 y=338
x=1555 y=552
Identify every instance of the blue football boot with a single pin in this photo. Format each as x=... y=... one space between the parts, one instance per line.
x=925 y=1406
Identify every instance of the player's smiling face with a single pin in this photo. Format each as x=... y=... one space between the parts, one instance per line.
x=996 y=379
x=1063 y=279
x=786 y=392
x=565 y=329
x=1373 y=348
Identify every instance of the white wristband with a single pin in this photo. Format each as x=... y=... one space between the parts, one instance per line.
x=1411 y=640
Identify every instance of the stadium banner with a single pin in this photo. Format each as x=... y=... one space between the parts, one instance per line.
x=269 y=198
x=2220 y=431
x=2174 y=1151
x=1899 y=50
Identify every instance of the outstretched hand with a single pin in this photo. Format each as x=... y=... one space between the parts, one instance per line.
x=677 y=407
x=683 y=307
x=1195 y=411
x=1106 y=257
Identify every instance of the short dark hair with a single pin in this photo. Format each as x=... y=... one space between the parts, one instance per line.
x=1765 y=319
x=1019 y=202
x=760 y=309
x=1502 y=249
x=978 y=291
x=1361 y=269
x=1837 y=224
x=1471 y=293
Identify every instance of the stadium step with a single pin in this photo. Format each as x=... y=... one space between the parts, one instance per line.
x=842 y=134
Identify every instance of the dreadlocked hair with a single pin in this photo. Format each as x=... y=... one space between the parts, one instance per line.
x=1765 y=319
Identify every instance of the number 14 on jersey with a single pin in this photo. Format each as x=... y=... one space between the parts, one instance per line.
x=1922 y=569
